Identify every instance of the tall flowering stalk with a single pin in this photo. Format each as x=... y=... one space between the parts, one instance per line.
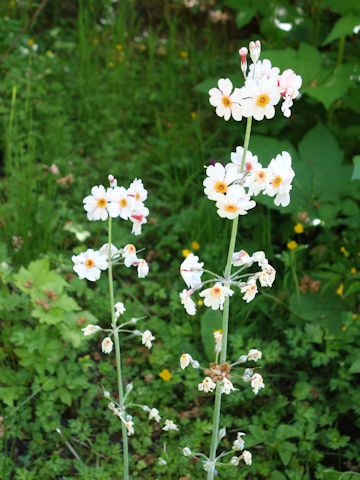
x=106 y=205
x=232 y=187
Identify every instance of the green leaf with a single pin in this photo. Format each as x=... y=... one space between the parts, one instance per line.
x=333 y=475
x=285 y=450
x=344 y=7
x=301 y=390
x=344 y=26
x=283 y=432
x=355 y=367
x=356 y=171
x=244 y=16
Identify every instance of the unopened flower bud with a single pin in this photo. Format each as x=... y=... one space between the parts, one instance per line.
x=106 y=394
x=129 y=387
x=243 y=53
x=255 y=49
x=234 y=461
x=186 y=452
x=222 y=433
x=112 y=180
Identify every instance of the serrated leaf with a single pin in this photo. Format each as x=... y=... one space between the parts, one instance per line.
x=344 y=26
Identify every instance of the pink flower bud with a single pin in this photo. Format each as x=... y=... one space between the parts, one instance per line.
x=255 y=49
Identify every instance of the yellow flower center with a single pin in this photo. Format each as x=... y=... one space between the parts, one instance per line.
x=123 y=202
x=260 y=176
x=221 y=187
x=262 y=100
x=165 y=375
x=131 y=248
x=137 y=196
x=231 y=207
x=216 y=291
x=101 y=202
x=276 y=181
x=226 y=101
x=89 y=263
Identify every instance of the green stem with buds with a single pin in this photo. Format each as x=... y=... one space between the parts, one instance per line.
x=225 y=322
x=118 y=360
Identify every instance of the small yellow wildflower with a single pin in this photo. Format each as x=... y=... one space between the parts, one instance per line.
x=186 y=252
x=299 y=228
x=111 y=64
x=218 y=330
x=200 y=303
x=355 y=315
x=119 y=47
x=12 y=3
x=31 y=42
x=165 y=375
x=195 y=245
x=95 y=41
x=344 y=328
x=142 y=47
x=340 y=289
x=343 y=250
x=184 y=54
x=353 y=270
x=292 y=245
x=193 y=115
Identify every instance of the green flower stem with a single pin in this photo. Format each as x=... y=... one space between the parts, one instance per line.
x=225 y=322
x=118 y=360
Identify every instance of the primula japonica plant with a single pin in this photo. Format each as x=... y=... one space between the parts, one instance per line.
x=128 y=204
x=232 y=187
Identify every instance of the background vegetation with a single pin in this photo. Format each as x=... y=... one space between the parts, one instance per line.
x=98 y=86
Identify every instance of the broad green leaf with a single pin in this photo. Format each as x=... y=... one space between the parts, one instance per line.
x=301 y=390
x=344 y=7
x=355 y=367
x=285 y=450
x=244 y=16
x=344 y=26
x=283 y=432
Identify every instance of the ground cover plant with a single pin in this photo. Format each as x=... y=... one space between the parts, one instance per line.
x=122 y=87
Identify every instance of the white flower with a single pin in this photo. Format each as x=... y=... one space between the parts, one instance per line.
x=260 y=259
x=289 y=84
x=218 y=180
x=260 y=98
x=242 y=259
x=129 y=424
x=263 y=69
x=188 y=303
x=186 y=359
x=119 y=309
x=226 y=103
x=218 y=341
x=90 y=329
x=147 y=338
x=256 y=181
x=120 y=205
x=170 y=425
x=235 y=202
x=107 y=345
x=227 y=386
x=162 y=462
x=138 y=217
x=239 y=442
x=129 y=255
x=250 y=290
x=104 y=250
x=234 y=461
x=246 y=455
x=137 y=191
x=207 y=385
x=106 y=394
x=191 y=270
x=257 y=383
x=89 y=264
x=254 y=355
x=96 y=204
x=280 y=178
x=112 y=180
x=214 y=297
x=267 y=276
x=154 y=414
x=186 y=452
x=251 y=162
x=143 y=268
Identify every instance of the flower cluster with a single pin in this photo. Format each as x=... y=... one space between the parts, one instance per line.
x=231 y=186
x=263 y=89
x=115 y=201
x=214 y=297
